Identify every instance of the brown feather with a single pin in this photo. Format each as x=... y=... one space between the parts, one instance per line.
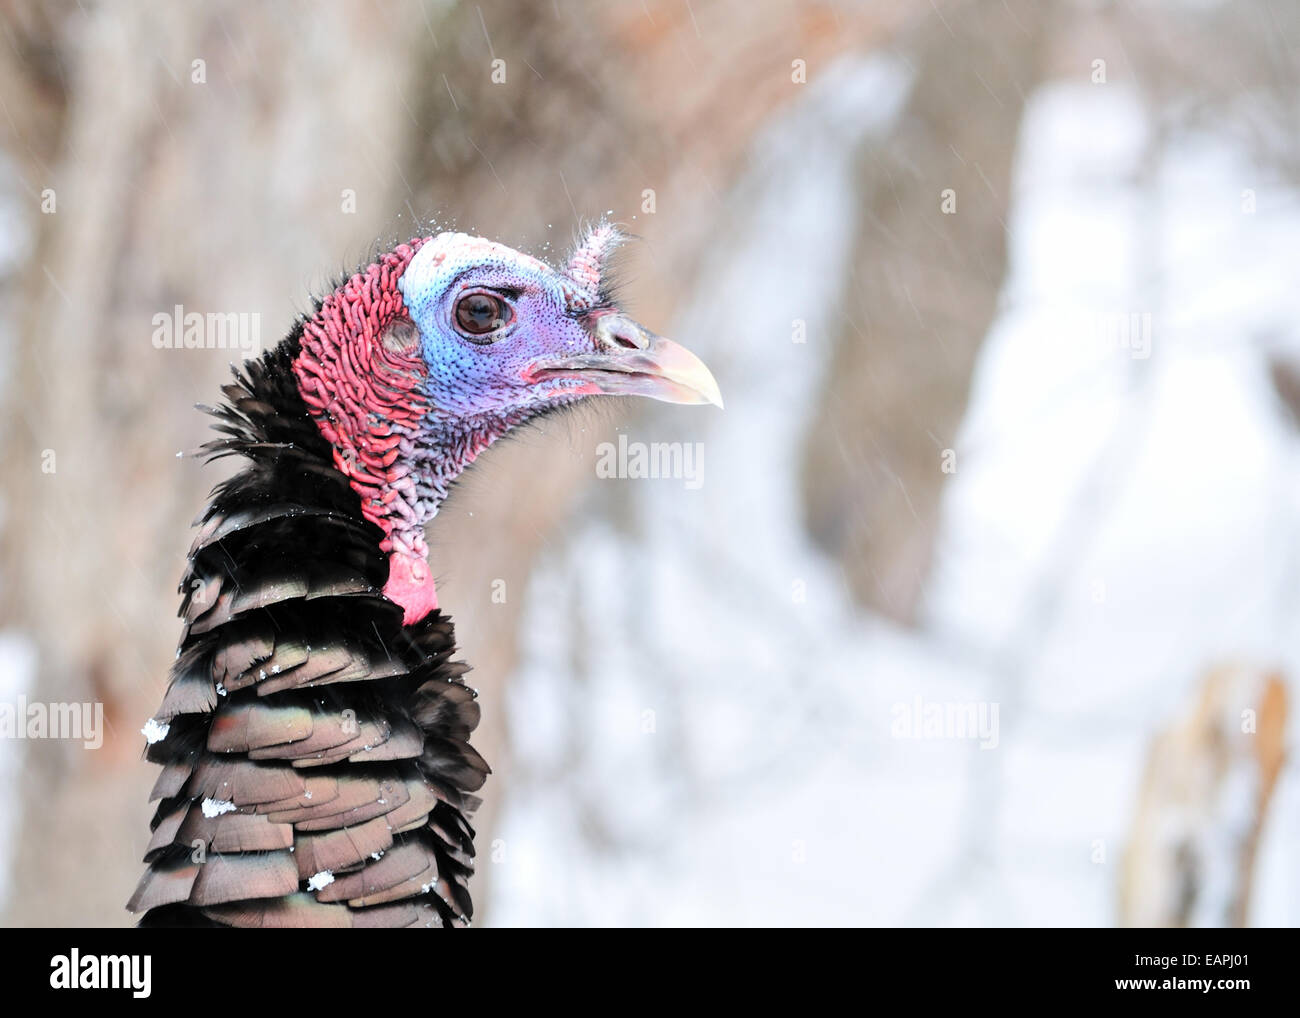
x=398 y=866
x=294 y=910
x=237 y=728
x=243 y=782
x=172 y=779
x=234 y=877
x=390 y=794
x=343 y=849
x=164 y=885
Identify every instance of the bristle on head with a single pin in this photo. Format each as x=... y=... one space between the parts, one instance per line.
x=587 y=264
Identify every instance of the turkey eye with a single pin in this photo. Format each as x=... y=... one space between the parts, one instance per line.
x=480 y=314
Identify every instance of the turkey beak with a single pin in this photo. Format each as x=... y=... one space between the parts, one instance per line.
x=632 y=361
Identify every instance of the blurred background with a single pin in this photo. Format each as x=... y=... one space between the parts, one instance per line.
x=978 y=604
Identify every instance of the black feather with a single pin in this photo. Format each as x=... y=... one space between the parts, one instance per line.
x=287 y=631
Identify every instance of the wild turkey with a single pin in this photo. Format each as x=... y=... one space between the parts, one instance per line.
x=316 y=768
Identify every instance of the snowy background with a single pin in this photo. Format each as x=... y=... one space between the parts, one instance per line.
x=1124 y=510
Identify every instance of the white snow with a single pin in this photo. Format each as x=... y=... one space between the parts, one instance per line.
x=322 y=879
x=215 y=807
x=155 y=731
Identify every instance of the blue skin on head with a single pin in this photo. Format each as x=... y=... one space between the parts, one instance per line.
x=468 y=379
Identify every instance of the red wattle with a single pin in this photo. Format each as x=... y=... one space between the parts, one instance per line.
x=410 y=584
x=366 y=399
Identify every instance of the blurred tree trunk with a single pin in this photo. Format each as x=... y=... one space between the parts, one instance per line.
x=919 y=296
x=216 y=186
